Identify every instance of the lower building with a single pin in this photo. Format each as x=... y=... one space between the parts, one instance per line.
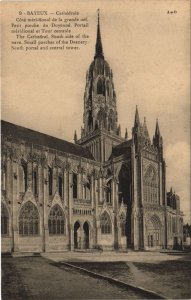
x=53 y=200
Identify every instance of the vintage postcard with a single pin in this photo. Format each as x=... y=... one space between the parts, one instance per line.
x=95 y=149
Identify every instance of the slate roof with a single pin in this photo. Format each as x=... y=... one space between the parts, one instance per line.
x=123 y=148
x=38 y=138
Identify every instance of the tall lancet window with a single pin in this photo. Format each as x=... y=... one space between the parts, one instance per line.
x=75 y=185
x=101 y=87
x=87 y=189
x=108 y=92
x=4 y=220
x=56 y=220
x=105 y=223
x=123 y=224
x=35 y=181
x=29 y=219
x=23 y=177
x=108 y=191
x=60 y=185
x=150 y=185
x=111 y=120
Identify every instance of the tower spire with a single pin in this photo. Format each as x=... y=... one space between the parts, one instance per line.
x=157 y=130
x=145 y=129
x=137 y=121
x=157 y=139
x=98 y=47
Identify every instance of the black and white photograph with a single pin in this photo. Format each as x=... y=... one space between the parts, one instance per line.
x=95 y=150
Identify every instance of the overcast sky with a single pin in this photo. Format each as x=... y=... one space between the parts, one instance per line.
x=148 y=51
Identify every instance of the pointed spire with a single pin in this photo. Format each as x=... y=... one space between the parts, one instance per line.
x=137 y=120
x=145 y=129
x=98 y=47
x=126 y=134
x=75 y=137
x=157 y=130
x=171 y=190
x=119 y=130
x=158 y=140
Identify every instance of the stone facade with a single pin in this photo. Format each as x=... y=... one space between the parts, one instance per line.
x=103 y=192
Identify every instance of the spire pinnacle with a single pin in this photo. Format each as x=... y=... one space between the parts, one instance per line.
x=126 y=134
x=157 y=140
x=157 y=130
x=119 y=130
x=98 y=47
x=145 y=129
x=75 y=136
x=137 y=121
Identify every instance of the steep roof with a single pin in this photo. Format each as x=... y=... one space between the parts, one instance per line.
x=38 y=138
x=123 y=148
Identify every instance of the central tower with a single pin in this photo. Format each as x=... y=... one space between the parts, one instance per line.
x=101 y=131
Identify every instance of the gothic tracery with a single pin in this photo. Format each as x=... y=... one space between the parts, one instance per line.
x=29 y=219
x=150 y=185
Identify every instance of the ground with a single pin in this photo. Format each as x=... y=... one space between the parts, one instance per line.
x=38 y=278
x=47 y=277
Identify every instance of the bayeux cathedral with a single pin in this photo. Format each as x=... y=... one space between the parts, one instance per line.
x=103 y=191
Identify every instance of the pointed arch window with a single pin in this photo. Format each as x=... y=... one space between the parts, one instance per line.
x=60 y=185
x=111 y=120
x=123 y=224
x=29 y=219
x=150 y=185
x=56 y=220
x=174 y=202
x=108 y=191
x=108 y=90
x=124 y=187
x=86 y=188
x=4 y=220
x=101 y=117
x=105 y=223
x=154 y=231
x=101 y=87
x=35 y=181
x=23 y=177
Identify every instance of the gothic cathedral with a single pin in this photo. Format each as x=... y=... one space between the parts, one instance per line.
x=104 y=191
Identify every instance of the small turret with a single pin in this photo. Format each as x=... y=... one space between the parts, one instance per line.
x=157 y=139
x=137 y=130
x=119 y=130
x=145 y=130
x=171 y=190
x=126 y=134
x=75 y=137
